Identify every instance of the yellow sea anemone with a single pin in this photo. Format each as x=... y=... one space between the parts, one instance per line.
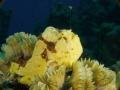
x=86 y=75
x=22 y=43
x=52 y=80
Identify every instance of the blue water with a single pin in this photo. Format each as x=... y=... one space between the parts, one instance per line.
x=27 y=13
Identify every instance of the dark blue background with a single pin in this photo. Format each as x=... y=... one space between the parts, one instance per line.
x=27 y=13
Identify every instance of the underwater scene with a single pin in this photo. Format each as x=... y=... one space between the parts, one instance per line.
x=59 y=44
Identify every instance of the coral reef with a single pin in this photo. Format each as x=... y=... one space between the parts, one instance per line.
x=19 y=49
x=96 y=21
x=106 y=39
x=1 y=60
x=86 y=75
x=22 y=43
x=21 y=59
x=118 y=81
x=60 y=16
x=116 y=69
x=99 y=30
x=5 y=17
x=53 y=79
x=53 y=64
x=38 y=29
x=94 y=13
x=10 y=85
